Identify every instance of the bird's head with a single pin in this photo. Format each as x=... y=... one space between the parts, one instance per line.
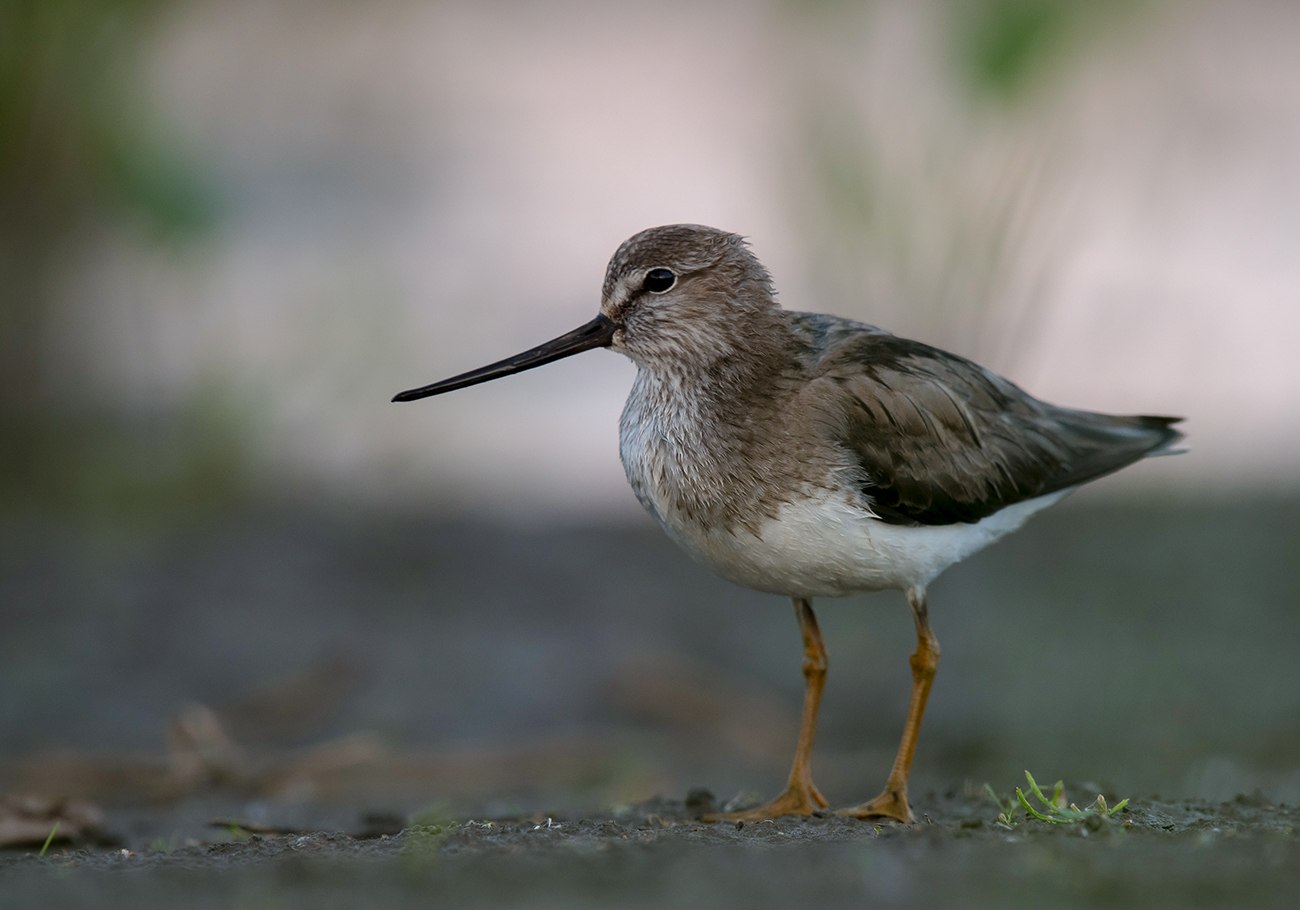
x=684 y=293
x=679 y=296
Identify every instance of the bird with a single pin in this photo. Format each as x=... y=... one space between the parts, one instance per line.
x=809 y=455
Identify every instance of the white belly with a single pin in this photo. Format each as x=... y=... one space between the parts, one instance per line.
x=825 y=546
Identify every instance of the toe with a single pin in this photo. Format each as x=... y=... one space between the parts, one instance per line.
x=794 y=801
x=889 y=804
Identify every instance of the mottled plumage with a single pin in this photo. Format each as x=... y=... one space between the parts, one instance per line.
x=810 y=455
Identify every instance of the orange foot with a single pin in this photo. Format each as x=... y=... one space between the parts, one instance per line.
x=796 y=800
x=889 y=804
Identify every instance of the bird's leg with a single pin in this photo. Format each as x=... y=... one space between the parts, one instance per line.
x=801 y=796
x=892 y=801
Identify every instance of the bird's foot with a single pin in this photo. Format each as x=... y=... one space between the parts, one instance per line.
x=889 y=804
x=798 y=799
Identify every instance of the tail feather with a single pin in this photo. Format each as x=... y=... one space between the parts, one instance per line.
x=1100 y=444
x=1168 y=434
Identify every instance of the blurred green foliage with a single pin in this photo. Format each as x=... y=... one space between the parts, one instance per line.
x=75 y=134
x=79 y=151
x=1003 y=48
x=895 y=196
x=1004 y=42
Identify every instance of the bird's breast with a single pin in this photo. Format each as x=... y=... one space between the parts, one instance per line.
x=664 y=455
x=718 y=493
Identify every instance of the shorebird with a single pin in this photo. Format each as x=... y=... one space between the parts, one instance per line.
x=810 y=456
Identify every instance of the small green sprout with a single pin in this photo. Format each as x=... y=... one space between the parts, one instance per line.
x=1053 y=810
x=1006 y=811
x=423 y=838
x=49 y=839
x=1057 y=811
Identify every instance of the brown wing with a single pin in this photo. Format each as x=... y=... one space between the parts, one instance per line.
x=941 y=440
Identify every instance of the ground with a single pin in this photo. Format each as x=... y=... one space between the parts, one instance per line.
x=1242 y=853
x=397 y=710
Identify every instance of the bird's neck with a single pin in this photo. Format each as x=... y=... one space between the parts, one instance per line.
x=747 y=368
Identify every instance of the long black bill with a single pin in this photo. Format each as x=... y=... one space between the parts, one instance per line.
x=596 y=334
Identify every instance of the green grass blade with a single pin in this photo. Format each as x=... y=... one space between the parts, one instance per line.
x=1033 y=787
x=50 y=838
x=1024 y=801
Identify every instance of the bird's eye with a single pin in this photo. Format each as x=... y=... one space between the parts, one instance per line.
x=659 y=280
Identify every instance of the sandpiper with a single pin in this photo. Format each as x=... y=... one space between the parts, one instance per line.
x=808 y=455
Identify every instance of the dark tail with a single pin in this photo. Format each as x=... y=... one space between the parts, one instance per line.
x=1163 y=443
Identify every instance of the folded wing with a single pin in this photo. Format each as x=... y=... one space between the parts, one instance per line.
x=940 y=440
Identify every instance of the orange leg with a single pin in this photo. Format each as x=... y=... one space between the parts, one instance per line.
x=892 y=801
x=801 y=796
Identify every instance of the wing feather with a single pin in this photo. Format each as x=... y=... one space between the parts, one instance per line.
x=938 y=440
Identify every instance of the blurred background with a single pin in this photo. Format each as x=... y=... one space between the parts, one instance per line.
x=230 y=231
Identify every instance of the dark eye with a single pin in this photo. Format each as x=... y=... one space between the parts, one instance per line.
x=659 y=280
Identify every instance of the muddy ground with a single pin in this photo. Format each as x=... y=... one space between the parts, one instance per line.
x=400 y=711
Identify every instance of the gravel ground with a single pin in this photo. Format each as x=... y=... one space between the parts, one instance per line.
x=1163 y=854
